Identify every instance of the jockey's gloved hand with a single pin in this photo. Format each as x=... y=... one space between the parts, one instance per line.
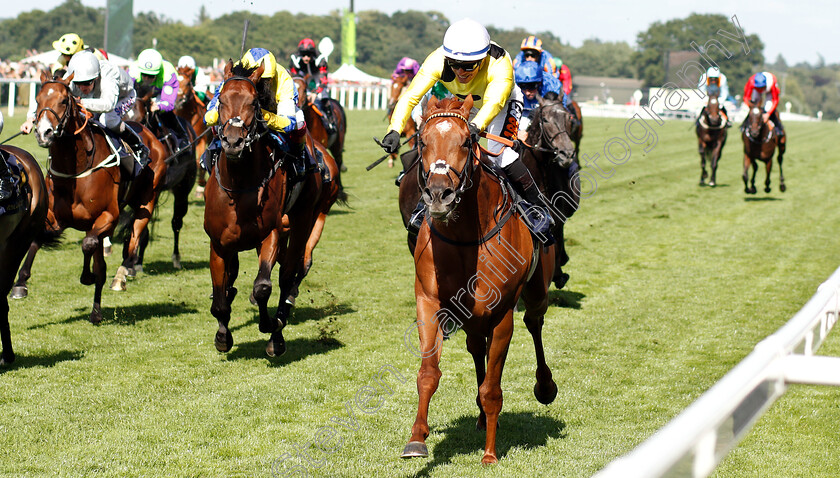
x=474 y=131
x=391 y=142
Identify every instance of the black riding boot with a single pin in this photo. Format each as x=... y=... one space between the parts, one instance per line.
x=329 y=124
x=300 y=160
x=211 y=154
x=136 y=144
x=7 y=186
x=537 y=216
x=415 y=221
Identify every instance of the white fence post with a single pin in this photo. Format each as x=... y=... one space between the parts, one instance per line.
x=12 y=99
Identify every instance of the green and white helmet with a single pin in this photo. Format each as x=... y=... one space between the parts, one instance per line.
x=84 y=66
x=149 y=61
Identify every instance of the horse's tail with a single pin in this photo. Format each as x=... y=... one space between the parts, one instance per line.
x=49 y=239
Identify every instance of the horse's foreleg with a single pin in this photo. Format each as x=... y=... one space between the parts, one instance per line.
x=131 y=257
x=702 y=151
x=428 y=377
x=20 y=290
x=768 y=166
x=782 y=186
x=181 y=194
x=8 y=355
x=477 y=347
x=223 y=294
x=490 y=391
x=745 y=174
x=262 y=283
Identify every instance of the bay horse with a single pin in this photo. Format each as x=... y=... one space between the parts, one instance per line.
x=472 y=261
x=180 y=173
x=18 y=229
x=760 y=142
x=247 y=206
x=549 y=153
x=398 y=85
x=88 y=188
x=313 y=114
x=190 y=107
x=711 y=137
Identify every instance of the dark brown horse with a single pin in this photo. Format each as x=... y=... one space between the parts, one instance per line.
x=314 y=115
x=88 y=188
x=711 y=137
x=398 y=85
x=247 y=207
x=760 y=141
x=473 y=260
x=180 y=172
x=576 y=129
x=550 y=156
x=18 y=229
x=190 y=107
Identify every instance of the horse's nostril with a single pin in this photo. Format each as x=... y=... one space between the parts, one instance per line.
x=448 y=196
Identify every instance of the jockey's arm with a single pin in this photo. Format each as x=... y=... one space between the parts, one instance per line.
x=426 y=78
x=109 y=90
x=499 y=84
x=774 y=99
x=168 y=94
x=284 y=119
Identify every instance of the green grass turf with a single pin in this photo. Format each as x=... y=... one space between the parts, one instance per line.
x=671 y=286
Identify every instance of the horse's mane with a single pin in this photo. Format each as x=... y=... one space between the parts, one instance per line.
x=266 y=96
x=142 y=89
x=533 y=126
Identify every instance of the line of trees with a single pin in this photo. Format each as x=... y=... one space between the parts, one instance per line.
x=383 y=39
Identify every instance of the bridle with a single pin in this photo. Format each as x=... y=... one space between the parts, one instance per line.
x=252 y=135
x=709 y=124
x=749 y=130
x=545 y=143
x=442 y=167
x=68 y=112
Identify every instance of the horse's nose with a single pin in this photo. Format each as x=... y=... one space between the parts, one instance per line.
x=438 y=200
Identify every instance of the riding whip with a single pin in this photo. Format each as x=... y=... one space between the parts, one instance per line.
x=11 y=137
x=244 y=36
x=383 y=158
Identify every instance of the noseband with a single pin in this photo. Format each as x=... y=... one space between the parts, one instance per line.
x=251 y=135
x=442 y=167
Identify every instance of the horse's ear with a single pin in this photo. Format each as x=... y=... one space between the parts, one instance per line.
x=228 y=69
x=66 y=80
x=431 y=105
x=255 y=76
x=468 y=104
x=44 y=77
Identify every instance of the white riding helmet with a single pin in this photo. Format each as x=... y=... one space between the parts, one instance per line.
x=466 y=40
x=84 y=66
x=713 y=72
x=149 y=61
x=186 y=61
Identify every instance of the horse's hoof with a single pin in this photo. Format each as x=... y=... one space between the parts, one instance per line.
x=118 y=285
x=701 y=183
x=767 y=189
x=561 y=280
x=545 y=395
x=7 y=359
x=343 y=168
x=96 y=317
x=782 y=187
x=415 y=449
x=276 y=344
x=176 y=261
x=223 y=342
x=19 y=292
x=131 y=272
x=489 y=459
x=106 y=251
x=270 y=325
x=751 y=190
x=712 y=184
x=252 y=299
x=87 y=278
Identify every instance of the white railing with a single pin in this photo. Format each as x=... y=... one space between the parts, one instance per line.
x=356 y=97
x=12 y=96
x=693 y=443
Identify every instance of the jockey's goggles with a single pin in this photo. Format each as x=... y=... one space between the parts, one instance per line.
x=530 y=53
x=84 y=83
x=529 y=86
x=463 y=65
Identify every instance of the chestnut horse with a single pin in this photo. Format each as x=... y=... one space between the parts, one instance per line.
x=473 y=260
x=549 y=154
x=398 y=85
x=711 y=137
x=88 y=188
x=760 y=141
x=190 y=107
x=180 y=172
x=18 y=229
x=247 y=207
x=313 y=114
